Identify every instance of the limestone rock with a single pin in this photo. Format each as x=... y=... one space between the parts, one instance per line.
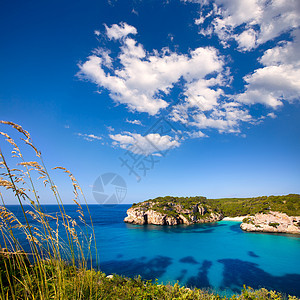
x=170 y=214
x=273 y=221
x=202 y=210
x=155 y=218
x=136 y=216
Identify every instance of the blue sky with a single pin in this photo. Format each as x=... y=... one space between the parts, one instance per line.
x=91 y=81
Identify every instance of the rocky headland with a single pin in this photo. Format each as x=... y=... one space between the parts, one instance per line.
x=170 y=214
x=273 y=222
x=273 y=214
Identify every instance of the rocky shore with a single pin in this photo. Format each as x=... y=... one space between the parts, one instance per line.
x=272 y=222
x=170 y=214
x=170 y=210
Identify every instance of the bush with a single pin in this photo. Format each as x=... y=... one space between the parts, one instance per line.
x=274 y=224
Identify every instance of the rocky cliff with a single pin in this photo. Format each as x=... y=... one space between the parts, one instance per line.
x=274 y=222
x=170 y=214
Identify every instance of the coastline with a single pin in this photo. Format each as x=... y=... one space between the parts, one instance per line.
x=235 y=219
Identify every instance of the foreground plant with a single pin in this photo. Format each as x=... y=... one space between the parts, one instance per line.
x=96 y=285
x=39 y=237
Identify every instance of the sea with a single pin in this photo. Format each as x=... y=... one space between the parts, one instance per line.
x=219 y=257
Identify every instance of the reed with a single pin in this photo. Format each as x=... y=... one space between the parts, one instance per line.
x=37 y=268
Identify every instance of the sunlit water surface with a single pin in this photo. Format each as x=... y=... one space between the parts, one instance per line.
x=217 y=256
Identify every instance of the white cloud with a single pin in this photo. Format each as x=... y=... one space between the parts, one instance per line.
x=143 y=78
x=247 y=39
x=110 y=128
x=196 y=134
x=271 y=85
x=171 y=37
x=279 y=80
x=134 y=12
x=119 y=31
x=206 y=106
x=136 y=122
x=250 y=22
x=205 y=94
x=89 y=137
x=286 y=53
x=271 y=115
x=97 y=32
x=152 y=143
x=225 y=117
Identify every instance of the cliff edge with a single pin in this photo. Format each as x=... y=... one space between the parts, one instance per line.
x=150 y=212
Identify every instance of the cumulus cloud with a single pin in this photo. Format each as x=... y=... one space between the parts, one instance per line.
x=271 y=85
x=204 y=94
x=286 y=53
x=119 y=31
x=247 y=39
x=252 y=23
x=142 y=78
x=89 y=137
x=207 y=106
x=279 y=79
x=249 y=22
x=225 y=117
x=152 y=143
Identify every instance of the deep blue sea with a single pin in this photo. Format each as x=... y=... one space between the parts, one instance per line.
x=218 y=256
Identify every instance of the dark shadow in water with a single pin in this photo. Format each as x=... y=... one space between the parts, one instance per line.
x=148 y=269
x=236 y=228
x=238 y=272
x=201 y=279
x=182 y=274
x=120 y=255
x=252 y=254
x=189 y=260
x=196 y=228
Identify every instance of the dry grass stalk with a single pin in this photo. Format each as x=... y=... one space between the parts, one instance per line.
x=44 y=240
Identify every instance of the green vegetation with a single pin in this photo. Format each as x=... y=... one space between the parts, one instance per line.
x=164 y=208
x=248 y=221
x=274 y=224
x=233 y=207
x=91 y=284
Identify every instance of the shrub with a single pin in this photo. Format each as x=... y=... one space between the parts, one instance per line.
x=274 y=224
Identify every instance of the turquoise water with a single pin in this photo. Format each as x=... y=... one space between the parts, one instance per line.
x=218 y=256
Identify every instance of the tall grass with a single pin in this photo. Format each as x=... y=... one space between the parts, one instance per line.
x=26 y=274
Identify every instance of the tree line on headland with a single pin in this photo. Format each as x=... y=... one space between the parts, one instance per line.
x=233 y=207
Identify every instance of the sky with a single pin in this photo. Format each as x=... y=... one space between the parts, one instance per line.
x=178 y=97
